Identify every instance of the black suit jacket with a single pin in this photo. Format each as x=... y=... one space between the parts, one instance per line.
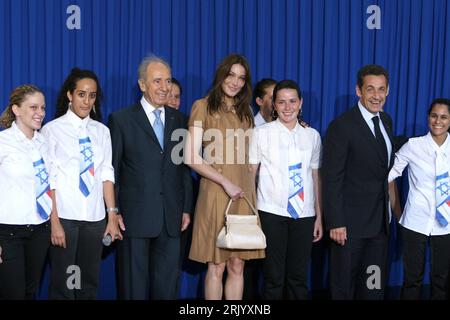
x=149 y=185
x=355 y=189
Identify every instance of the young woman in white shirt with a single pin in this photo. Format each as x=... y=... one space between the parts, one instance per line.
x=428 y=160
x=83 y=179
x=25 y=200
x=288 y=195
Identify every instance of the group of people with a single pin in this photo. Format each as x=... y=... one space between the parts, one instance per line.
x=56 y=182
x=361 y=155
x=75 y=181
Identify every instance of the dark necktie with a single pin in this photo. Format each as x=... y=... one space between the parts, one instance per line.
x=380 y=139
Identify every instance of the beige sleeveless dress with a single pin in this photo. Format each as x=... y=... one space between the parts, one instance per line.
x=212 y=198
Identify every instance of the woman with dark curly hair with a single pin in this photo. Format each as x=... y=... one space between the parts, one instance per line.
x=80 y=149
x=63 y=100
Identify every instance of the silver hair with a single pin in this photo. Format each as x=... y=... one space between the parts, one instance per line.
x=142 y=70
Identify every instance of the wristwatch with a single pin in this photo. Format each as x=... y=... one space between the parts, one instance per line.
x=116 y=210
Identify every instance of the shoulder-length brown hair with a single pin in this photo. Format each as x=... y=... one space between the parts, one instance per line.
x=17 y=96
x=242 y=100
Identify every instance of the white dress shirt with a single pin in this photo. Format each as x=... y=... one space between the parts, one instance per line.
x=419 y=154
x=259 y=120
x=64 y=152
x=148 y=108
x=17 y=185
x=270 y=147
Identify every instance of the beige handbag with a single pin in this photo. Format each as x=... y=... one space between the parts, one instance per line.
x=241 y=231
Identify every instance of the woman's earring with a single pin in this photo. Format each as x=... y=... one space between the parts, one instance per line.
x=70 y=105
x=274 y=114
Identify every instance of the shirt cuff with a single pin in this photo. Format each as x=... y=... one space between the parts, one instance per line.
x=108 y=175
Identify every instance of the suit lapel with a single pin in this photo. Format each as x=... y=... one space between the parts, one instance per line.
x=169 y=124
x=365 y=130
x=367 y=133
x=388 y=128
x=142 y=120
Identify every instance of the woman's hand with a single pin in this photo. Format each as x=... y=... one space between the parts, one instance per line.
x=58 y=236
x=318 y=229
x=115 y=224
x=234 y=191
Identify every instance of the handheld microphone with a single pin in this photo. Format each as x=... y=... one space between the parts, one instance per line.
x=107 y=240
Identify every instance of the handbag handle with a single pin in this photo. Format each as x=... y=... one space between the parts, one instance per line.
x=249 y=203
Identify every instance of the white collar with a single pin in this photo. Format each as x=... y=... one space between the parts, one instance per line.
x=149 y=108
x=21 y=137
x=366 y=114
x=76 y=121
x=283 y=127
x=444 y=148
x=260 y=116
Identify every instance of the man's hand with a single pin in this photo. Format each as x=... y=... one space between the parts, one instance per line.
x=339 y=235
x=185 y=221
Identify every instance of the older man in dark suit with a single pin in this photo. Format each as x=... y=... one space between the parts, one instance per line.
x=153 y=187
x=358 y=153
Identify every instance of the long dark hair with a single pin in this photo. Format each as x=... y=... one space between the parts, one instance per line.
x=242 y=99
x=62 y=103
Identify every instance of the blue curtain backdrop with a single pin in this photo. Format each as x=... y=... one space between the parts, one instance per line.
x=319 y=43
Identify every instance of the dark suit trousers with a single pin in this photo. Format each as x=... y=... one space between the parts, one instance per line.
x=185 y=242
x=288 y=253
x=351 y=274
x=24 y=249
x=414 y=253
x=148 y=267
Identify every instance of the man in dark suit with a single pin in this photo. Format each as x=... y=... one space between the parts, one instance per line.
x=358 y=153
x=153 y=187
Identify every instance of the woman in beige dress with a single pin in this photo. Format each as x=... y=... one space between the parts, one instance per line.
x=221 y=123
